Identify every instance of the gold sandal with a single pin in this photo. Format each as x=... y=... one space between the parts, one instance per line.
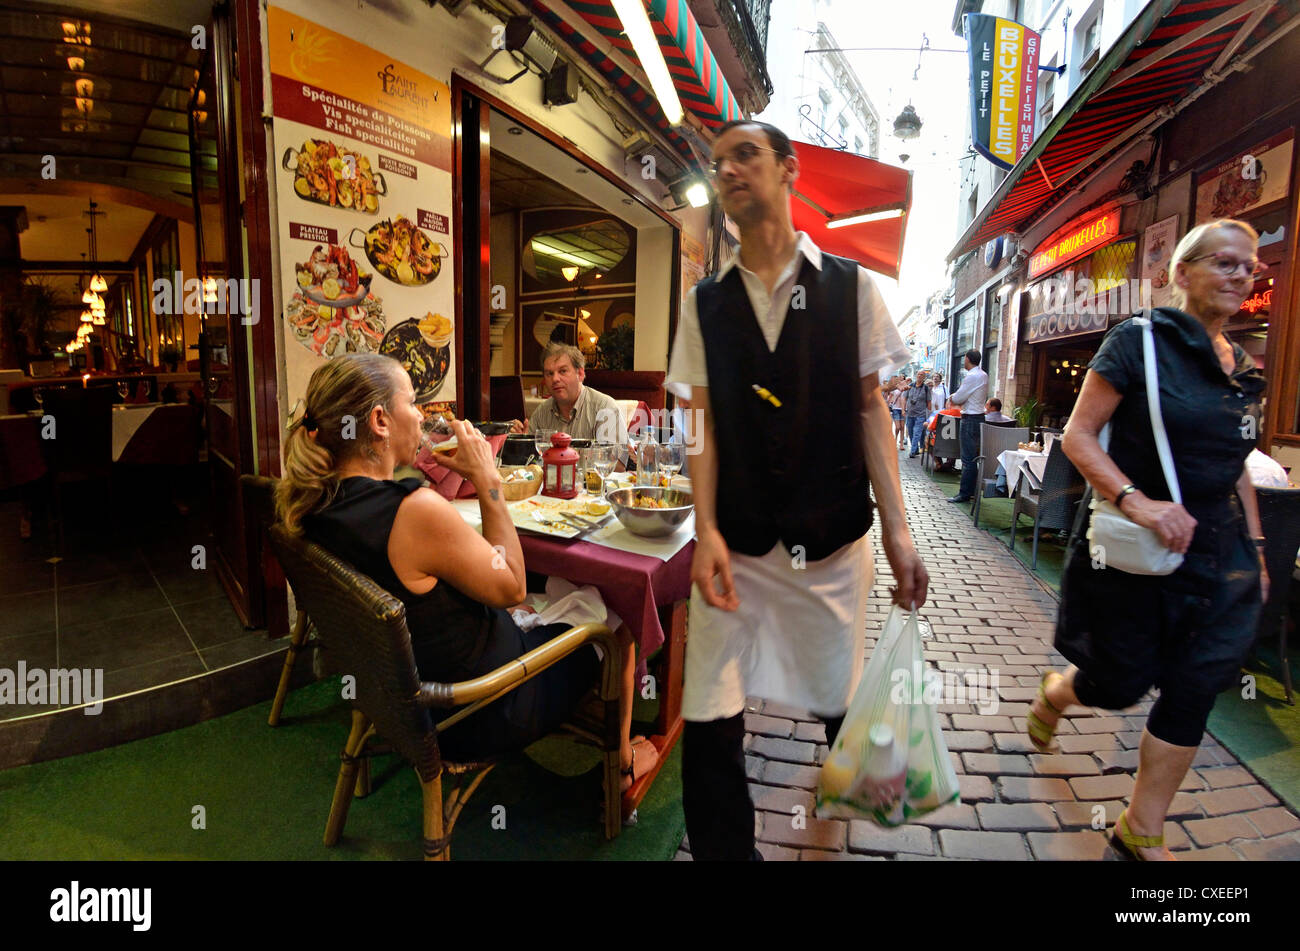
x=1123 y=841
x=1040 y=734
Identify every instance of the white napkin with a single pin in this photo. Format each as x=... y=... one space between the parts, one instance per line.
x=571 y=604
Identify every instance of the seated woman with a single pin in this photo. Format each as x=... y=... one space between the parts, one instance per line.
x=361 y=422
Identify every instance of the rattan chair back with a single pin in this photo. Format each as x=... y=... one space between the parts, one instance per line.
x=363 y=629
x=1060 y=492
x=1279 y=514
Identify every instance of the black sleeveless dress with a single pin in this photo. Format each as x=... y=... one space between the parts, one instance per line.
x=454 y=637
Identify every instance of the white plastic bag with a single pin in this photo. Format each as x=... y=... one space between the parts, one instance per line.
x=889 y=763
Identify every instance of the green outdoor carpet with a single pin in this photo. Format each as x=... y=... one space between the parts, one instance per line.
x=265 y=794
x=1263 y=732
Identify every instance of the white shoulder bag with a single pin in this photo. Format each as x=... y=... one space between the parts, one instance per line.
x=1118 y=541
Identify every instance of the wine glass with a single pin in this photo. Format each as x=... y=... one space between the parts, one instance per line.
x=38 y=394
x=123 y=388
x=671 y=456
x=602 y=460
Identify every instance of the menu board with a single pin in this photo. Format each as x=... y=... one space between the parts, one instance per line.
x=364 y=192
x=1256 y=177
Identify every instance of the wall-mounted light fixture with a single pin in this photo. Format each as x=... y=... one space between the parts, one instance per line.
x=636 y=24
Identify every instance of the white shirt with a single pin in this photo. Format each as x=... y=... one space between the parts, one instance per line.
x=879 y=343
x=799 y=635
x=1266 y=471
x=973 y=392
x=938 y=396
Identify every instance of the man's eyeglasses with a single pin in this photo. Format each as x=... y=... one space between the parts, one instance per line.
x=1228 y=266
x=742 y=154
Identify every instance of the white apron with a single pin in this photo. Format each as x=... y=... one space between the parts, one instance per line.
x=797 y=638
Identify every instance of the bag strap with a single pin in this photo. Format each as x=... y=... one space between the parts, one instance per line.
x=1153 y=407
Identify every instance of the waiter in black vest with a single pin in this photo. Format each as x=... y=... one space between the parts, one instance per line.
x=782 y=349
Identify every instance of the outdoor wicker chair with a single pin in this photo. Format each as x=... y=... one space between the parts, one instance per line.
x=947 y=443
x=1279 y=513
x=363 y=629
x=994 y=440
x=1053 y=504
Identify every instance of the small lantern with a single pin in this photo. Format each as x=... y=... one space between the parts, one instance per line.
x=560 y=467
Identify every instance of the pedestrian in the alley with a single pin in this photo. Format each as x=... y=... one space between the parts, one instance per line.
x=970 y=397
x=938 y=393
x=1187 y=632
x=794 y=440
x=917 y=411
x=894 y=396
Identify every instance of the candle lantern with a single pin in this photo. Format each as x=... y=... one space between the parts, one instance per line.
x=560 y=467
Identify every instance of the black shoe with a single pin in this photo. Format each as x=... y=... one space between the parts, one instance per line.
x=912 y=455
x=959 y=498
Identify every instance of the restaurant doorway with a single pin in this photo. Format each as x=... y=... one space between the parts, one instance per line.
x=557 y=248
x=125 y=552
x=1059 y=369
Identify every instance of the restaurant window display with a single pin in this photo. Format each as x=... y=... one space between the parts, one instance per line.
x=963 y=339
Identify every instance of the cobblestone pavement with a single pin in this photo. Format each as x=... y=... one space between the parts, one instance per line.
x=988 y=611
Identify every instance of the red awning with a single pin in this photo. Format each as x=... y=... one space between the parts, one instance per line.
x=833 y=184
x=1161 y=58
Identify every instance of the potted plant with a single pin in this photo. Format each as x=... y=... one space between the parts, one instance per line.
x=1028 y=412
x=615 y=348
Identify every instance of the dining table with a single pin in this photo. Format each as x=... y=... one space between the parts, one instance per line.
x=647 y=582
x=1014 y=462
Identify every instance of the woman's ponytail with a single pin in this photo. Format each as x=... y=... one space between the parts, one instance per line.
x=339 y=398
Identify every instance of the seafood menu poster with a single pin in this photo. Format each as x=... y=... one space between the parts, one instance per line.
x=364 y=194
x=1253 y=178
x=1158 y=243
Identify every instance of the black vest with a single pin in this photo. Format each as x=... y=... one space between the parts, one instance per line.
x=795 y=473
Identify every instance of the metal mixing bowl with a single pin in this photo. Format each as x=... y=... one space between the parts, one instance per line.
x=651 y=523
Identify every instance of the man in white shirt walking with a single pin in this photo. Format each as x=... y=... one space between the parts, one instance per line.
x=970 y=396
x=782 y=564
x=938 y=394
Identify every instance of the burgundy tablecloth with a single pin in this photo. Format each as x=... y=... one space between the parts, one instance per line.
x=21 y=460
x=634 y=586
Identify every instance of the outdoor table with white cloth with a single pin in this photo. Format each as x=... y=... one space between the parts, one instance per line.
x=1010 y=462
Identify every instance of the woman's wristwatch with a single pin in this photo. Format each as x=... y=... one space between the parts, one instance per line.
x=1125 y=490
x=1260 y=544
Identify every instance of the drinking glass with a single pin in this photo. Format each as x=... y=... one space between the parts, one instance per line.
x=542 y=440
x=602 y=460
x=670 y=460
x=434 y=430
x=123 y=388
x=38 y=394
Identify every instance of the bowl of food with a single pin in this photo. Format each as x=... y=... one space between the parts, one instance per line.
x=651 y=511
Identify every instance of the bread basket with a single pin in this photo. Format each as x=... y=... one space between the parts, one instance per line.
x=517 y=491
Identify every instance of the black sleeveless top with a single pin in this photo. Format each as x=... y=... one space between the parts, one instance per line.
x=449 y=629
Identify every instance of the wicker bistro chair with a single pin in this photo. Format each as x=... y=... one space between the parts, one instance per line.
x=1279 y=514
x=1053 y=504
x=946 y=444
x=994 y=440
x=363 y=629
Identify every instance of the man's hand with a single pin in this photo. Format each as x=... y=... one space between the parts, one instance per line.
x=712 y=560
x=517 y=426
x=913 y=581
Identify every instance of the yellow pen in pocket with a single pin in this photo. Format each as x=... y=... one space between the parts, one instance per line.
x=766 y=394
